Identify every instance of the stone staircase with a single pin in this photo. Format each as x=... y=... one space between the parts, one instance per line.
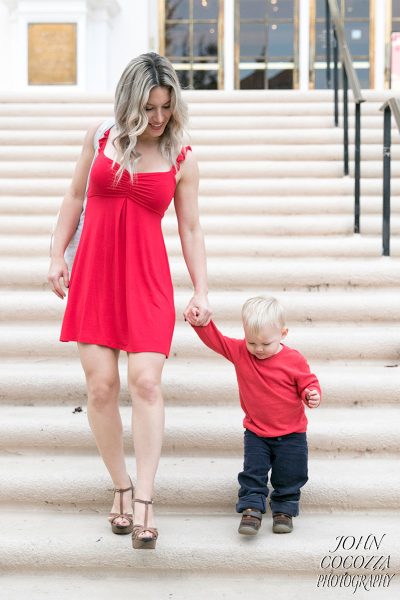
x=278 y=219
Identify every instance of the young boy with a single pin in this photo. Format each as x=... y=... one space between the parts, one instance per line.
x=274 y=384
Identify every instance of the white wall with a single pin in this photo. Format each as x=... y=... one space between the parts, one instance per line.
x=129 y=36
x=5 y=44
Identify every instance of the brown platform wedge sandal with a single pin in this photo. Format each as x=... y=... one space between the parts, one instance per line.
x=118 y=528
x=146 y=542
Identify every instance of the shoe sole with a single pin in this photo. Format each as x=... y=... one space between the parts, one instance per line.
x=282 y=529
x=247 y=530
x=143 y=544
x=122 y=530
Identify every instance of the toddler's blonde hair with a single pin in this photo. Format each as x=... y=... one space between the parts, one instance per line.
x=262 y=312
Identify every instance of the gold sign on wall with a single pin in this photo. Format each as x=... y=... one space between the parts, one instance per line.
x=52 y=54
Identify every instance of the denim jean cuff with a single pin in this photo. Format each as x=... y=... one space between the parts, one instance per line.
x=256 y=501
x=289 y=507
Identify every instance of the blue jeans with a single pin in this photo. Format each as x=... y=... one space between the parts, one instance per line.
x=286 y=456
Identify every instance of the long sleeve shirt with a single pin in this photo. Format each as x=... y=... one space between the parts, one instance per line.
x=272 y=390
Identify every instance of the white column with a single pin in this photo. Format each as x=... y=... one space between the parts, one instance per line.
x=304 y=44
x=229 y=45
x=380 y=44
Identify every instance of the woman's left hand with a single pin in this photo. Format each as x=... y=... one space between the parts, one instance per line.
x=198 y=311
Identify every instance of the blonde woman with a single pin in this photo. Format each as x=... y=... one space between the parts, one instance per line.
x=120 y=294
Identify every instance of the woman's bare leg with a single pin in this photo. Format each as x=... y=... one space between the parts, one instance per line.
x=103 y=385
x=144 y=382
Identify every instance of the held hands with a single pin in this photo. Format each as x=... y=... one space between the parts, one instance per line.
x=198 y=311
x=312 y=398
x=58 y=268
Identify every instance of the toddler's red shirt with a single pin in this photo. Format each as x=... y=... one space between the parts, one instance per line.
x=271 y=390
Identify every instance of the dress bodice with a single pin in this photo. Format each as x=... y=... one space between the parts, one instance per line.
x=153 y=190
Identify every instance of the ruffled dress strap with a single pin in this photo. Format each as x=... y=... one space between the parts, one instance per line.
x=181 y=157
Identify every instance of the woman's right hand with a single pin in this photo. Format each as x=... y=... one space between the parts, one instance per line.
x=58 y=269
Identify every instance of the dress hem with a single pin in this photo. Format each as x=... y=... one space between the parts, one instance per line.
x=114 y=347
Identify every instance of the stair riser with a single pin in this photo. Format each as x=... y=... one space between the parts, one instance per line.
x=227 y=226
x=14 y=246
x=232 y=205
x=361 y=348
x=215 y=187
x=234 y=275
x=244 y=154
x=65 y=386
x=339 y=307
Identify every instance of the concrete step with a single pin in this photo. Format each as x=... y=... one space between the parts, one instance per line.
x=232 y=205
x=80 y=482
x=190 y=96
x=243 y=273
x=209 y=137
x=220 y=122
x=200 y=121
x=210 y=169
x=319 y=341
x=226 y=169
x=204 y=430
x=164 y=585
x=196 y=108
x=247 y=153
x=85 y=545
x=231 y=245
x=218 y=187
x=341 y=305
x=33 y=381
x=227 y=226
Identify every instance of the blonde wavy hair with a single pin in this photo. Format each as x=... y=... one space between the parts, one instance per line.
x=262 y=312
x=140 y=76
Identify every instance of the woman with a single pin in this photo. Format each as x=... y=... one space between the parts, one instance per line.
x=120 y=292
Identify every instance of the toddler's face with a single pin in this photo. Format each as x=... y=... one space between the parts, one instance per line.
x=266 y=342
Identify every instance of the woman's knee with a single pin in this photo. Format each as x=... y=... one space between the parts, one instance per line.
x=145 y=387
x=102 y=393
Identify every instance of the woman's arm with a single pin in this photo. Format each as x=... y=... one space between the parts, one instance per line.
x=70 y=212
x=198 y=311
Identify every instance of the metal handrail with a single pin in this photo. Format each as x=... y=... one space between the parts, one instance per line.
x=389 y=108
x=349 y=78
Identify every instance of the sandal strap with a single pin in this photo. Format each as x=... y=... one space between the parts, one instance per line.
x=146 y=510
x=121 y=492
x=248 y=512
x=127 y=516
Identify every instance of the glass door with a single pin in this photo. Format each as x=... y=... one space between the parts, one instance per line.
x=191 y=36
x=266 y=44
x=359 y=24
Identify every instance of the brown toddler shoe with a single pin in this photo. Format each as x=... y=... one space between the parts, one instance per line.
x=282 y=523
x=250 y=522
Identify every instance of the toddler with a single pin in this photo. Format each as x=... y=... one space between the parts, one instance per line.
x=274 y=384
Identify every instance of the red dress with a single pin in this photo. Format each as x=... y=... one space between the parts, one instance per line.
x=120 y=292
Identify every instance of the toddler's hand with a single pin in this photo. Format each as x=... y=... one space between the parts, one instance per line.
x=312 y=398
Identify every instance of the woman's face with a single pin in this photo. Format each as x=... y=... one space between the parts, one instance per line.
x=158 y=109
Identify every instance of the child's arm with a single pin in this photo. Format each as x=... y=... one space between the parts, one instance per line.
x=213 y=338
x=307 y=384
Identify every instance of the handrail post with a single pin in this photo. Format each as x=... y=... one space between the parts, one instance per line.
x=336 y=76
x=345 y=121
x=328 y=44
x=386 y=180
x=357 y=169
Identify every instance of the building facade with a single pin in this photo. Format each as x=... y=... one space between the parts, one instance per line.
x=214 y=44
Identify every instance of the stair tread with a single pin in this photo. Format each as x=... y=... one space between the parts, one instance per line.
x=202 y=429
x=85 y=542
x=81 y=481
